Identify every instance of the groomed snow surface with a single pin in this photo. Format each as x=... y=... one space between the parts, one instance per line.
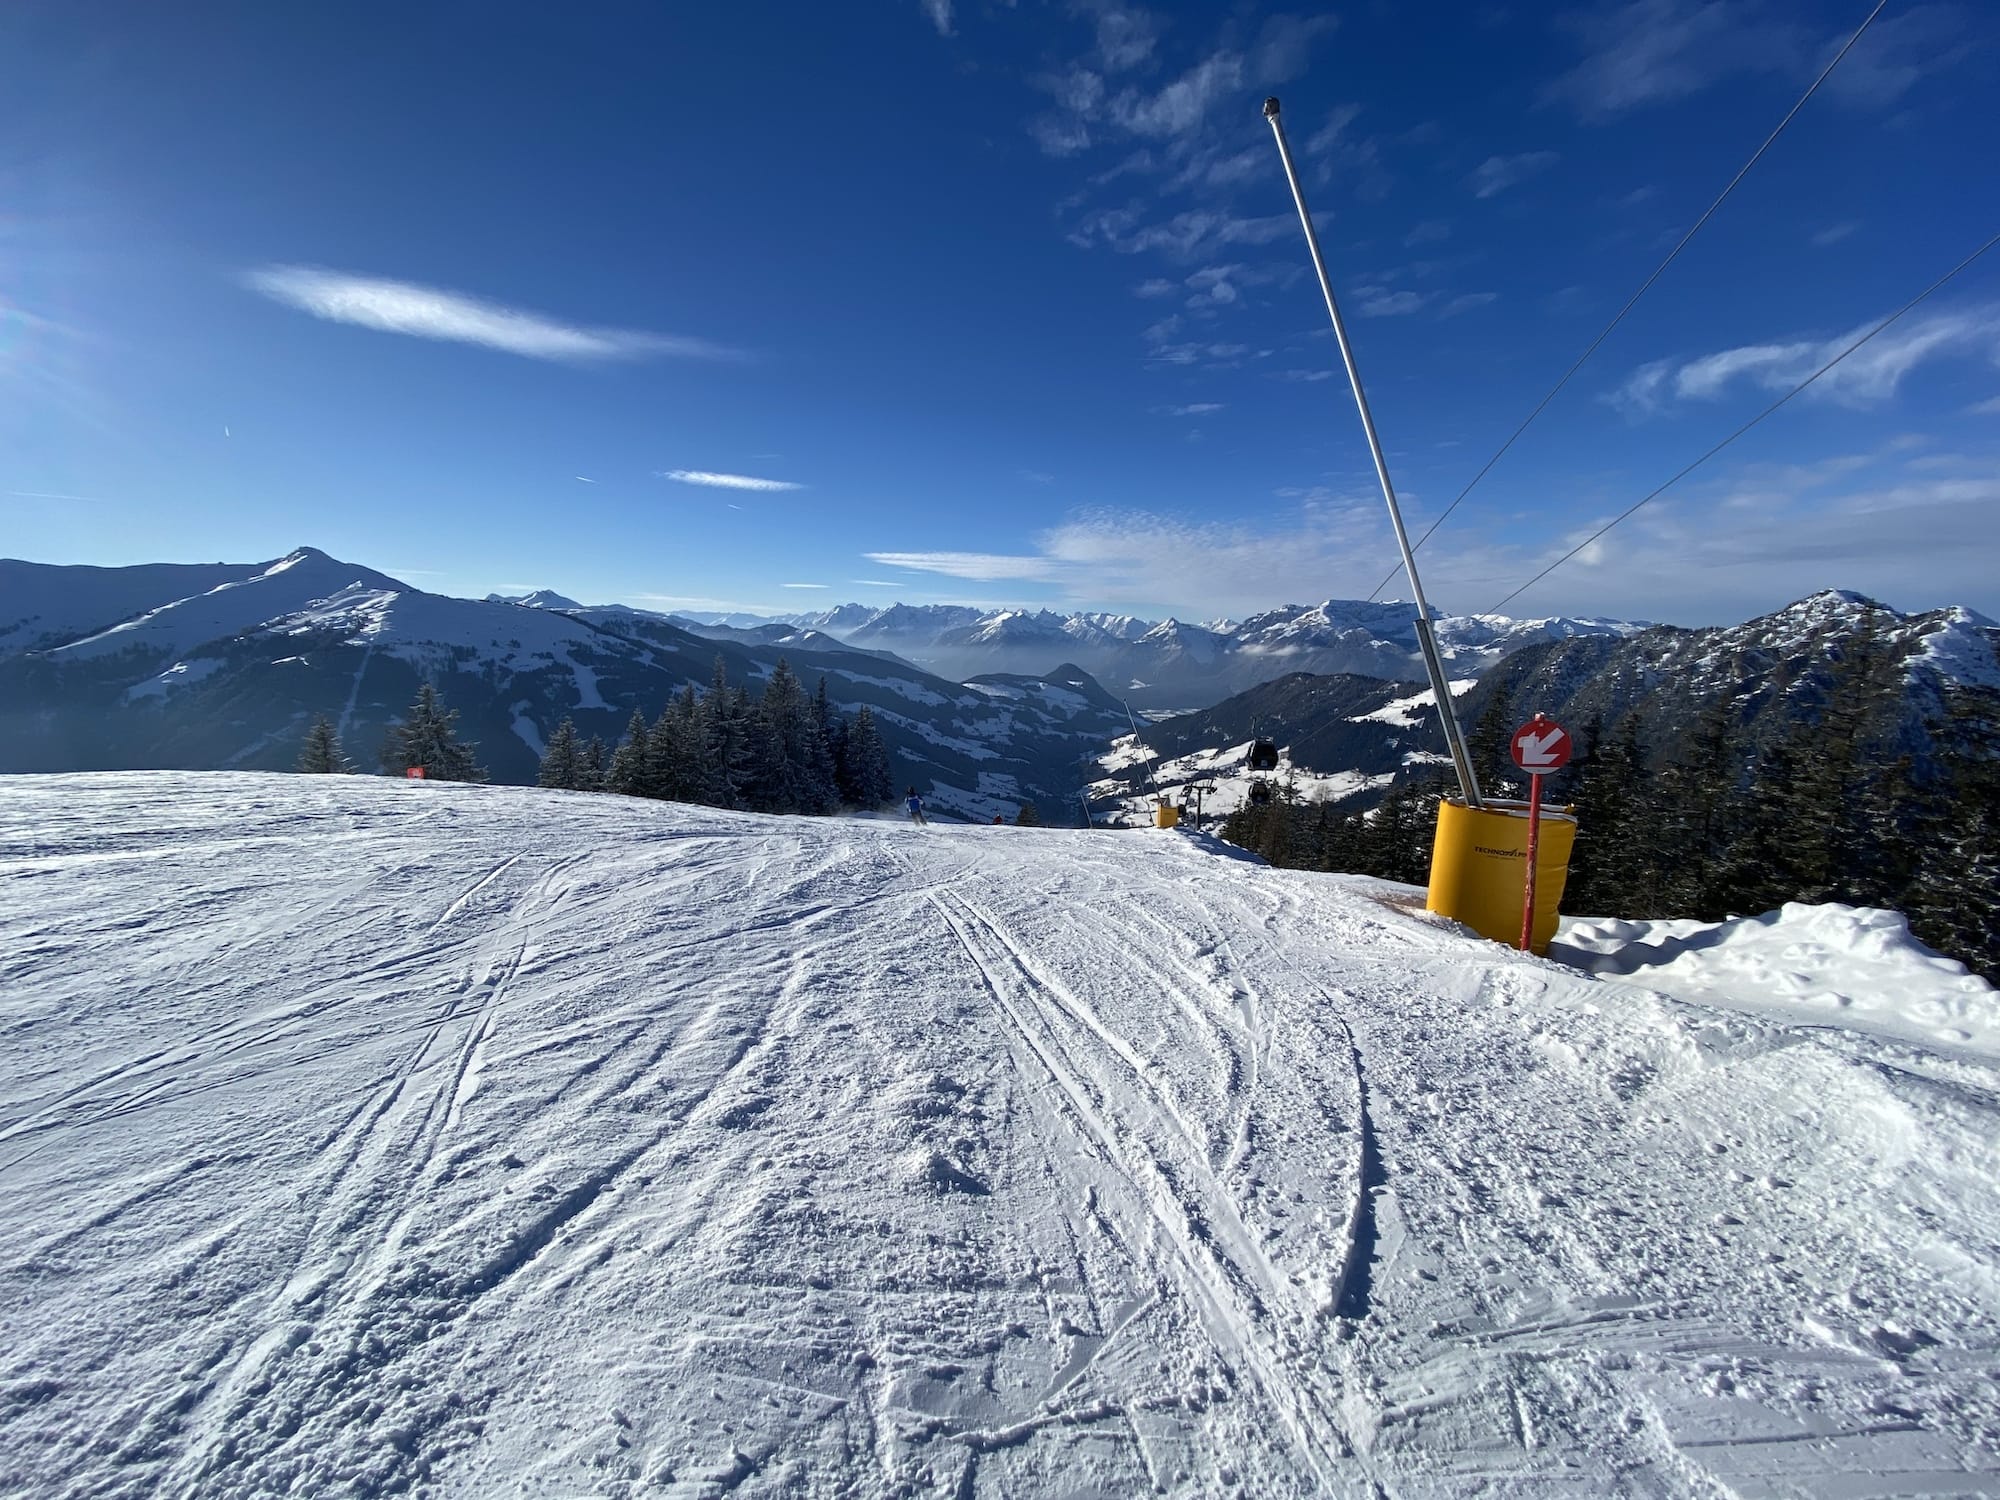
x=361 y=1137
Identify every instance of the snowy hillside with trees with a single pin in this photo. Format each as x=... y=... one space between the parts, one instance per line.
x=367 y=1137
x=117 y=668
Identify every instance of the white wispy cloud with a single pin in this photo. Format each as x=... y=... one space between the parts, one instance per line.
x=1498 y=173
x=727 y=481
x=433 y=313
x=1655 y=51
x=581 y=480
x=1833 y=234
x=1429 y=232
x=1195 y=409
x=1870 y=375
x=804 y=585
x=1380 y=302
x=940 y=13
x=1989 y=408
x=1909 y=525
x=52 y=495
x=1465 y=302
x=1195 y=234
x=985 y=567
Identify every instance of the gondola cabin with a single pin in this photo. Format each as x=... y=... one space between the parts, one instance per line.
x=1263 y=755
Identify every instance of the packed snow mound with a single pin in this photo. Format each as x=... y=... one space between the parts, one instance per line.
x=372 y=1137
x=1837 y=965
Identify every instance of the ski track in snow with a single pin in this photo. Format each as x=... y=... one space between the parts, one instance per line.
x=368 y=1137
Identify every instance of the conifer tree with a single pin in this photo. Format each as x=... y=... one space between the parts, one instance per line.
x=668 y=754
x=631 y=772
x=562 y=761
x=590 y=766
x=1487 y=746
x=428 y=737
x=322 y=754
x=1028 y=817
x=777 y=743
x=864 y=770
x=697 y=772
x=1697 y=808
x=1952 y=901
x=1609 y=865
x=725 y=739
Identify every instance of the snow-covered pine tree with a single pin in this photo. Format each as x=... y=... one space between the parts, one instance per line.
x=428 y=737
x=590 y=766
x=630 y=769
x=562 y=760
x=322 y=754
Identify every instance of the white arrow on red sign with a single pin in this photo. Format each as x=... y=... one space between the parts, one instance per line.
x=1541 y=745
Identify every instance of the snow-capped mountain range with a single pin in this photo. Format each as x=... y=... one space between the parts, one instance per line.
x=224 y=667
x=1174 y=664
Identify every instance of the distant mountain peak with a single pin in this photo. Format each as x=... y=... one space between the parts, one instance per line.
x=539 y=599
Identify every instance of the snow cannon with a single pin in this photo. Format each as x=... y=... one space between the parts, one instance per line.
x=1479 y=867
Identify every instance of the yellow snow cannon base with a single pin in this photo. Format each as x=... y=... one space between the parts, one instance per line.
x=1479 y=866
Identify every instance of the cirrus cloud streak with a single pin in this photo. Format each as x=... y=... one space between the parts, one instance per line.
x=727 y=481
x=434 y=313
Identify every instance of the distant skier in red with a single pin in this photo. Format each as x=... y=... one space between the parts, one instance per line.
x=915 y=804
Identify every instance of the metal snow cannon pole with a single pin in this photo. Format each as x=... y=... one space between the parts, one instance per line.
x=1476 y=863
x=1468 y=782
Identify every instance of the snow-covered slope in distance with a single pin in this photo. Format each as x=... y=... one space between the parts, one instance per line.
x=42 y=605
x=292 y=583
x=361 y=1137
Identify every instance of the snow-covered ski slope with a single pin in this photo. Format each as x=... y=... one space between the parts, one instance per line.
x=361 y=1137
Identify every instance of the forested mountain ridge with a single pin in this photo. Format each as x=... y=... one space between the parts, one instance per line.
x=1775 y=670
x=232 y=677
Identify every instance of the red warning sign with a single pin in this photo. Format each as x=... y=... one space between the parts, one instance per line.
x=1541 y=745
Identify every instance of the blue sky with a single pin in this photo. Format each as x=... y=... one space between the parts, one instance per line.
x=1012 y=296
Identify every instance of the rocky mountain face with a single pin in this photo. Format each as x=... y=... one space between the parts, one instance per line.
x=209 y=669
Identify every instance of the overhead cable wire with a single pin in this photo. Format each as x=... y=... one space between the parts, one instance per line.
x=1644 y=287
x=1795 y=390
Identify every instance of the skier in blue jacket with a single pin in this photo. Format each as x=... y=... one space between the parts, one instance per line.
x=915 y=805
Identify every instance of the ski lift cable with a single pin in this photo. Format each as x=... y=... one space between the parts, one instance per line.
x=1767 y=411
x=1644 y=287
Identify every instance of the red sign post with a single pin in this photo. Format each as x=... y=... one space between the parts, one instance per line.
x=414 y=773
x=1541 y=745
